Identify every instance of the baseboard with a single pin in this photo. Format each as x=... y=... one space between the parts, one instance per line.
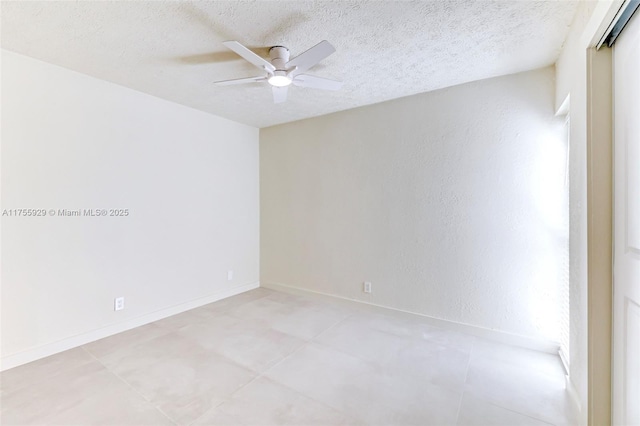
x=486 y=333
x=48 y=349
x=576 y=406
x=565 y=361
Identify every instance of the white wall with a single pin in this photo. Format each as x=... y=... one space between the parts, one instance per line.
x=571 y=80
x=189 y=180
x=452 y=203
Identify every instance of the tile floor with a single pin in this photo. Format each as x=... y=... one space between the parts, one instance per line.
x=272 y=358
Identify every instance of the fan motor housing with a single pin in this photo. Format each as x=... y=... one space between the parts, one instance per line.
x=279 y=57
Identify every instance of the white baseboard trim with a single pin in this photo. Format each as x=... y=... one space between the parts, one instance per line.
x=486 y=333
x=48 y=349
x=576 y=406
x=565 y=361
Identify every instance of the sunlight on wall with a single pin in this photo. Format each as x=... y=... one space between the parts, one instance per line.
x=549 y=190
x=548 y=186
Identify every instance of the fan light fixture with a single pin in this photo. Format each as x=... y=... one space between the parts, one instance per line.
x=282 y=72
x=279 y=80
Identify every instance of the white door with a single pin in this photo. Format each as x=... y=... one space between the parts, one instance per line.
x=626 y=259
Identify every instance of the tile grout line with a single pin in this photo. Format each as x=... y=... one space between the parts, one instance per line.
x=489 y=401
x=516 y=412
x=128 y=385
x=307 y=343
x=213 y=351
x=330 y=327
x=297 y=392
x=262 y=374
x=502 y=407
x=374 y=364
x=258 y=376
x=169 y=331
x=45 y=377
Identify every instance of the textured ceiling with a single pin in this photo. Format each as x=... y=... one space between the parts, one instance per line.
x=385 y=49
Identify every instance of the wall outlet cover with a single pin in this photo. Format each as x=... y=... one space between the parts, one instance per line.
x=366 y=287
x=118 y=304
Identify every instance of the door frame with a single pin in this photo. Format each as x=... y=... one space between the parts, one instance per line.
x=599 y=233
x=599 y=220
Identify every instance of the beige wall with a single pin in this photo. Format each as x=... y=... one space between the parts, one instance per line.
x=189 y=180
x=452 y=203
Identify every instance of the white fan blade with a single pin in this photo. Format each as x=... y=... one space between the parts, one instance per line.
x=305 y=80
x=306 y=60
x=249 y=55
x=279 y=94
x=240 y=81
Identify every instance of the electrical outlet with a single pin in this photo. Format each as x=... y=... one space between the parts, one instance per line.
x=229 y=275
x=118 y=304
x=366 y=287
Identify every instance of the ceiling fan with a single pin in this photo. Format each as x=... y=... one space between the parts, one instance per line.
x=282 y=72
